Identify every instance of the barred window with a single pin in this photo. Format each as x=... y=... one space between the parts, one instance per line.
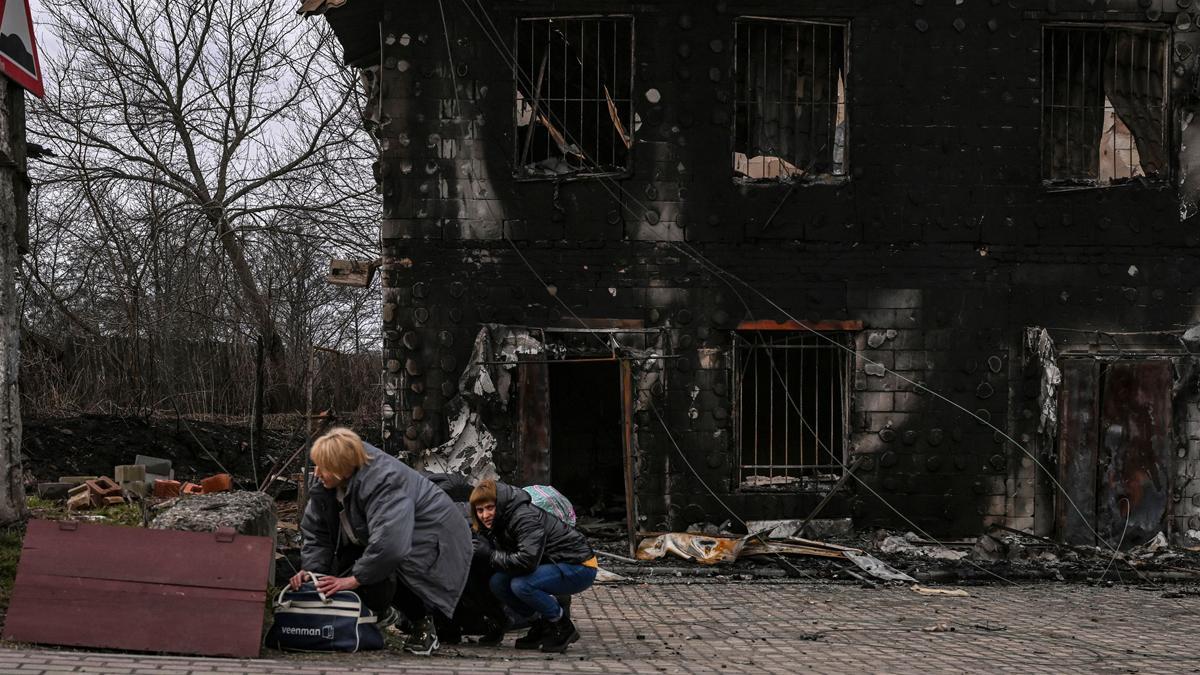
x=574 y=106
x=1104 y=103
x=790 y=100
x=792 y=411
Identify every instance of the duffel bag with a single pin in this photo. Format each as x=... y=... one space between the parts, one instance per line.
x=308 y=621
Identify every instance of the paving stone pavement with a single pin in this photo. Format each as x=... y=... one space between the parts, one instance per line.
x=782 y=627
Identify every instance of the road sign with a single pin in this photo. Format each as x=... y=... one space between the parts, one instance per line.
x=18 y=48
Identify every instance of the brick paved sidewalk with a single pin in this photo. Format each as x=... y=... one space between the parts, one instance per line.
x=756 y=627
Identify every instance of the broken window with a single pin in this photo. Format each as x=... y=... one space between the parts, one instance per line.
x=574 y=106
x=790 y=100
x=1104 y=104
x=792 y=407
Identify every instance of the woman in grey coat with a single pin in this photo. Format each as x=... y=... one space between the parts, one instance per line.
x=377 y=527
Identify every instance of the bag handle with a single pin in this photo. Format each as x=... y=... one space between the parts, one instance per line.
x=311 y=575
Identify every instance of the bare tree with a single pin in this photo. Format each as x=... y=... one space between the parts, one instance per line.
x=220 y=114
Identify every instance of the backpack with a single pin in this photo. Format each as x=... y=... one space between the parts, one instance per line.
x=308 y=621
x=553 y=502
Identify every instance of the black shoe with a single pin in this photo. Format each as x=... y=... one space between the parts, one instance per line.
x=536 y=635
x=562 y=634
x=424 y=639
x=495 y=634
x=564 y=601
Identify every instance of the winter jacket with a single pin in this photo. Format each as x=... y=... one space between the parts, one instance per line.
x=524 y=536
x=406 y=524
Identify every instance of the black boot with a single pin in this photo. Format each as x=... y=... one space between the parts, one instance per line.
x=495 y=634
x=561 y=634
x=537 y=633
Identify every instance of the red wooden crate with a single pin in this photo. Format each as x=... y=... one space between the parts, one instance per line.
x=88 y=585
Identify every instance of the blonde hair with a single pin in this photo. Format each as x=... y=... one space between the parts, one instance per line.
x=484 y=493
x=339 y=451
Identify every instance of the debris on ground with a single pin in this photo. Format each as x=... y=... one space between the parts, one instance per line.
x=93 y=494
x=944 y=592
x=911 y=544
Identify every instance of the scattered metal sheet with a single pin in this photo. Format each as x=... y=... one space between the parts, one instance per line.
x=711 y=550
x=90 y=585
x=704 y=549
x=876 y=567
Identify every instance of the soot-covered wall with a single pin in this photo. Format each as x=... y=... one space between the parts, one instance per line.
x=942 y=239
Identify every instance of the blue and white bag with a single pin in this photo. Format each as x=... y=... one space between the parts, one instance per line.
x=308 y=621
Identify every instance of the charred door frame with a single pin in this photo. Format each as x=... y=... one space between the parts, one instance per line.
x=534 y=432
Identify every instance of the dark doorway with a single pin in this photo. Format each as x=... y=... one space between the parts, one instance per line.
x=586 y=461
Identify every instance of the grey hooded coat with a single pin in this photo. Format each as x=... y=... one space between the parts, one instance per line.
x=406 y=524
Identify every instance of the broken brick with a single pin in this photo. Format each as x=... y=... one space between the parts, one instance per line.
x=192 y=489
x=167 y=488
x=221 y=482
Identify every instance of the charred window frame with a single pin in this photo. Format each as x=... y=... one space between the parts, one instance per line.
x=1105 y=104
x=790 y=115
x=573 y=96
x=791 y=408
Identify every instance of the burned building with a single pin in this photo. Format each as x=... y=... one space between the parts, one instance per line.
x=676 y=256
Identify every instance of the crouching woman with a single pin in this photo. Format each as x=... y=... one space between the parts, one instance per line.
x=535 y=556
x=377 y=527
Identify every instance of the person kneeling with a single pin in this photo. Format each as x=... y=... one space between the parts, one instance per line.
x=536 y=557
x=375 y=526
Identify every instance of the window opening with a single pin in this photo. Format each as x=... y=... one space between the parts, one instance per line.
x=1104 y=104
x=792 y=408
x=574 y=104
x=790 y=100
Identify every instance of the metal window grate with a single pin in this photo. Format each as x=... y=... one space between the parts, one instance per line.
x=790 y=99
x=1104 y=103
x=574 y=105
x=792 y=407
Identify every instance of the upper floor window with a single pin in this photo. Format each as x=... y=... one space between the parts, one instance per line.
x=1104 y=104
x=574 y=105
x=790 y=100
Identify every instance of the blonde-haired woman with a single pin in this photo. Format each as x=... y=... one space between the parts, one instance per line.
x=375 y=526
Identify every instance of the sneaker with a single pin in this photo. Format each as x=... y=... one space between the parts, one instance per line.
x=561 y=634
x=424 y=639
x=536 y=635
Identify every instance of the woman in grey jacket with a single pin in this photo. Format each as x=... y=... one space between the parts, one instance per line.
x=536 y=557
x=379 y=528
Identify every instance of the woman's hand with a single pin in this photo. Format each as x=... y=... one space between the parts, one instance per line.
x=331 y=585
x=296 y=581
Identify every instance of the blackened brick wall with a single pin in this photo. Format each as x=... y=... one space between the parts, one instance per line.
x=943 y=233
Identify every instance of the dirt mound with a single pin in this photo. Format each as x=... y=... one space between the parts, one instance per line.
x=94 y=444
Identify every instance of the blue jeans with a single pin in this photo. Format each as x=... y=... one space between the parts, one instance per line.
x=534 y=593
